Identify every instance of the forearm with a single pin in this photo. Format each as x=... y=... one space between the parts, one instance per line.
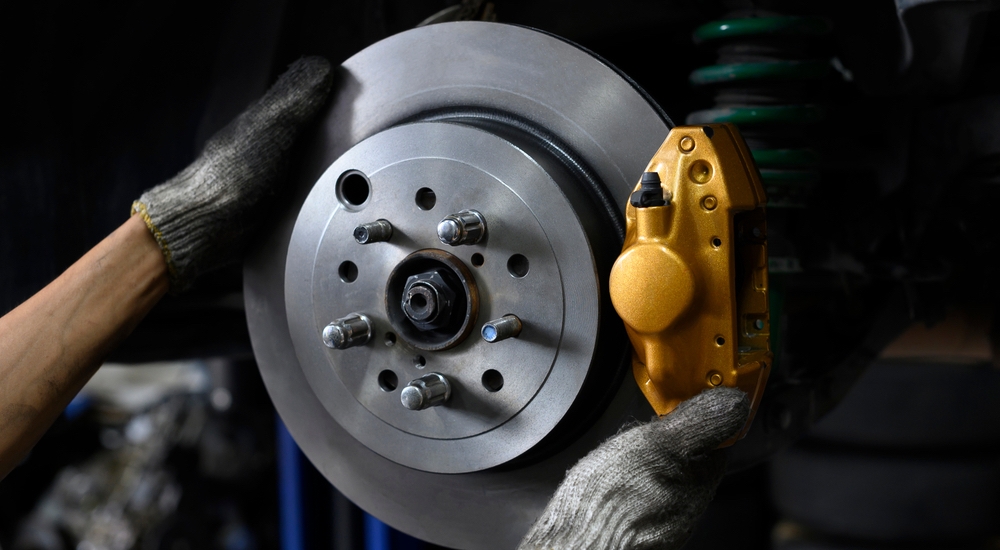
x=53 y=343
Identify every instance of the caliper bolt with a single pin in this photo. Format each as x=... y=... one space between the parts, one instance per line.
x=353 y=330
x=426 y=391
x=378 y=231
x=465 y=227
x=650 y=193
x=428 y=300
x=508 y=326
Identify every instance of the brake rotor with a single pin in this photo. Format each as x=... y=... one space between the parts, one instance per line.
x=543 y=142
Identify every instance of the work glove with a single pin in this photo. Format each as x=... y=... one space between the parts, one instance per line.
x=204 y=216
x=646 y=486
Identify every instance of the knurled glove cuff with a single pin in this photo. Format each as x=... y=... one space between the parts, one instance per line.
x=645 y=487
x=203 y=216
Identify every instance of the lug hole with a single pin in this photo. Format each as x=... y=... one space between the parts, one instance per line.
x=390 y=339
x=419 y=361
x=426 y=199
x=348 y=271
x=517 y=265
x=387 y=380
x=353 y=189
x=492 y=380
x=477 y=260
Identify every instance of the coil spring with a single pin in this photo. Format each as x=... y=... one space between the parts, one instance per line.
x=769 y=82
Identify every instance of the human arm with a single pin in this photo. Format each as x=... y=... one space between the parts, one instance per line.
x=201 y=219
x=54 y=342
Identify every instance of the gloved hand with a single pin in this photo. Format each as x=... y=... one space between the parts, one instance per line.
x=646 y=486
x=202 y=217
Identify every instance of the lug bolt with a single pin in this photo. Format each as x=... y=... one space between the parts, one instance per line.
x=427 y=391
x=378 y=231
x=465 y=227
x=353 y=330
x=508 y=326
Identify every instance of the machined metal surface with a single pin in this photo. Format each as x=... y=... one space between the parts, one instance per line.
x=585 y=107
x=559 y=294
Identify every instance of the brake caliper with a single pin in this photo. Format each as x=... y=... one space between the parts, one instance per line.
x=691 y=281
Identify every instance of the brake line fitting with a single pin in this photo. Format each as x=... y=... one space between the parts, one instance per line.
x=691 y=281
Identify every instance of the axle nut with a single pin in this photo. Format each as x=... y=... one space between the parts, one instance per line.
x=428 y=300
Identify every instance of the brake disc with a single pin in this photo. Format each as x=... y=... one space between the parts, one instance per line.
x=446 y=388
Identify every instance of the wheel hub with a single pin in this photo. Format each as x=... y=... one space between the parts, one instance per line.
x=536 y=255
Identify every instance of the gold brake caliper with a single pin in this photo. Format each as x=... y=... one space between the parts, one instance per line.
x=691 y=281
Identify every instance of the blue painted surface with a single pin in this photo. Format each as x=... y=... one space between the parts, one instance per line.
x=290 y=519
x=77 y=406
x=377 y=534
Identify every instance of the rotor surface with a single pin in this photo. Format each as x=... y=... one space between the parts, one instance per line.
x=432 y=108
x=556 y=298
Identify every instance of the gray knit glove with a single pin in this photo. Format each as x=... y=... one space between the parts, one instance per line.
x=646 y=486
x=203 y=217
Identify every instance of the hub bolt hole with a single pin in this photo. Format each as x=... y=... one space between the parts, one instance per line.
x=517 y=265
x=387 y=380
x=426 y=199
x=353 y=189
x=492 y=380
x=348 y=272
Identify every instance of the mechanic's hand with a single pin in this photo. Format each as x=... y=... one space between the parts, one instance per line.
x=646 y=486
x=202 y=218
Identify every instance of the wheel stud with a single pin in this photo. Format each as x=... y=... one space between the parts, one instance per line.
x=508 y=326
x=377 y=231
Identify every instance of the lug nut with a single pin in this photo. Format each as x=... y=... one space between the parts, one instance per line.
x=427 y=391
x=378 y=231
x=508 y=326
x=353 y=330
x=465 y=227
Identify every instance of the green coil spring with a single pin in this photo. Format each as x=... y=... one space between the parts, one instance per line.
x=769 y=81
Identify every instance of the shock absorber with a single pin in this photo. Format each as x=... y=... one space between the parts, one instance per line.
x=769 y=80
